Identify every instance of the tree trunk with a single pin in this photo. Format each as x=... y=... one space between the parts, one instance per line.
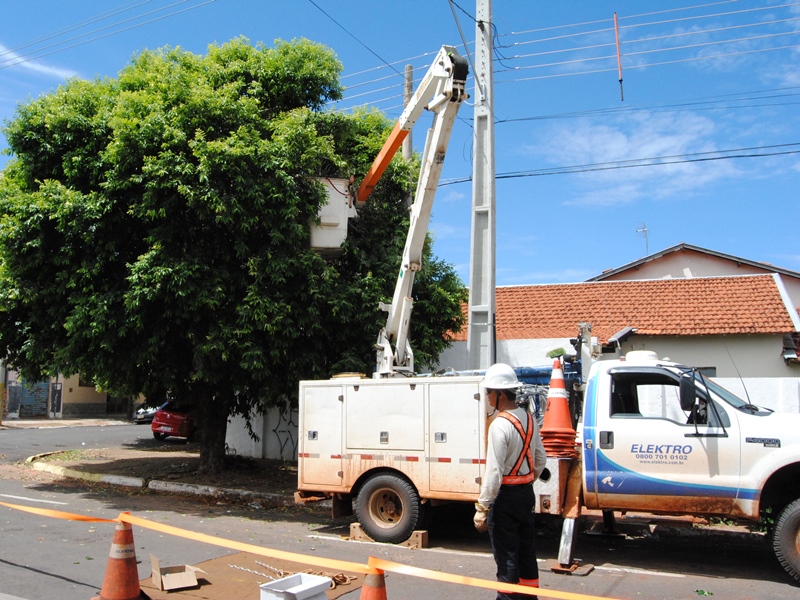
x=213 y=422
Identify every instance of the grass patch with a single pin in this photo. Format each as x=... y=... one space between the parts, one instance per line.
x=71 y=455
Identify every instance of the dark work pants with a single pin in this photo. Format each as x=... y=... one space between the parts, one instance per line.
x=511 y=530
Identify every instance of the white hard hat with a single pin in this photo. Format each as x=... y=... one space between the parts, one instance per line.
x=500 y=377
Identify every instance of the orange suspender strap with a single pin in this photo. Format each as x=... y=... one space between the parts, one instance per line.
x=526 y=443
x=514 y=478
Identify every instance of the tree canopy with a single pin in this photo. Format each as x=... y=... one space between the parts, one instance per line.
x=154 y=233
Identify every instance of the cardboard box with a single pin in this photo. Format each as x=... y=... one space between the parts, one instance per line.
x=174 y=578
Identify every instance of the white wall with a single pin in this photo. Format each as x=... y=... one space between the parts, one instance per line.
x=779 y=394
x=518 y=353
x=277 y=432
x=746 y=356
x=679 y=265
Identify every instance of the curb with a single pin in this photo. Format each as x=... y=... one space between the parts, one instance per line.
x=95 y=477
x=208 y=490
x=156 y=485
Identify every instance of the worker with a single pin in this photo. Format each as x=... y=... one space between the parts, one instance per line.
x=515 y=458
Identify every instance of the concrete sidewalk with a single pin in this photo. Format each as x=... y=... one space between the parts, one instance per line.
x=249 y=496
x=142 y=477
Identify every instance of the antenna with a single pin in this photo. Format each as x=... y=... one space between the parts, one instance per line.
x=643 y=229
x=741 y=379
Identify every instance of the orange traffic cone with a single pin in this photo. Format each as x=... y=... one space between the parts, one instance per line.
x=374 y=587
x=558 y=435
x=121 y=581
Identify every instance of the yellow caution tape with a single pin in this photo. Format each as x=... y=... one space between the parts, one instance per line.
x=373 y=565
x=57 y=514
x=387 y=565
x=327 y=563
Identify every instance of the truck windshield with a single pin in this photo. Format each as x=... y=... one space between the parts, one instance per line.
x=719 y=392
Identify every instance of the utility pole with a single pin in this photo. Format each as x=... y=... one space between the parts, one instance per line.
x=481 y=326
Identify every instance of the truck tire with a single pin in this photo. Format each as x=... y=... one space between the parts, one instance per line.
x=786 y=539
x=388 y=508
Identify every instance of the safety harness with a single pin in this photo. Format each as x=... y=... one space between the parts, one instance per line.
x=514 y=478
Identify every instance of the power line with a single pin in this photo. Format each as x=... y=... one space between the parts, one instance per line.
x=724 y=14
x=656 y=39
x=343 y=28
x=75 y=27
x=22 y=58
x=707 y=31
x=699 y=105
x=654 y=51
x=631 y=17
x=379 y=79
x=592 y=71
x=461 y=33
x=610 y=56
x=397 y=62
x=656 y=161
x=656 y=64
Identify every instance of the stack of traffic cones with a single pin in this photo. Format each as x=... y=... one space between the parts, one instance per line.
x=558 y=435
x=121 y=581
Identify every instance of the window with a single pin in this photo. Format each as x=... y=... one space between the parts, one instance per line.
x=656 y=395
x=624 y=399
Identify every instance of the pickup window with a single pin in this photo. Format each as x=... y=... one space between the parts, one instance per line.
x=656 y=395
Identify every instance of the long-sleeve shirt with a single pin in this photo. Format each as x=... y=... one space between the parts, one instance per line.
x=503 y=450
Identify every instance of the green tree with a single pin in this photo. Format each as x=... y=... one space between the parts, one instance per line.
x=154 y=233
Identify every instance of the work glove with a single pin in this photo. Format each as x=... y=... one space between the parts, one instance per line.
x=480 y=517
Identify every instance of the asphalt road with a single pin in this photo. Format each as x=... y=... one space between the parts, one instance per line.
x=42 y=557
x=18 y=444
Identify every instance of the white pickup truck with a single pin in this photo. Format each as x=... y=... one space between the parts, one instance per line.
x=655 y=437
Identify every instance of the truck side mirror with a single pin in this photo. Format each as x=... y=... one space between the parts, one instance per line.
x=688 y=393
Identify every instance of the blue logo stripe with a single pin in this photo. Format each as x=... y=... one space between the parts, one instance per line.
x=626 y=481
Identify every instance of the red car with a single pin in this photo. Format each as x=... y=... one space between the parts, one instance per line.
x=172 y=419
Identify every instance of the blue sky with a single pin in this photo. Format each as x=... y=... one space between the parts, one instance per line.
x=704 y=149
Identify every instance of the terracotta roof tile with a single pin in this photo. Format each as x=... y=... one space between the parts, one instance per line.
x=700 y=306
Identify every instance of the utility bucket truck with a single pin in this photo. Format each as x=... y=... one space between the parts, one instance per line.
x=655 y=436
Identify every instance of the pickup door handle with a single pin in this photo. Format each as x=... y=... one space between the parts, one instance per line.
x=606 y=440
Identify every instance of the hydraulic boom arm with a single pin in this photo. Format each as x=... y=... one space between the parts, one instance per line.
x=441 y=91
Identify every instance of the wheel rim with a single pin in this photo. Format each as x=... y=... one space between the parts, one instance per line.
x=386 y=508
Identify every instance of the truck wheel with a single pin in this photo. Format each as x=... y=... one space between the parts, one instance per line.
x=388 y=508
x=786 y=539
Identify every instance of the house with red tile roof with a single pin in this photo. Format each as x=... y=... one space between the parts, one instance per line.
x=685 y=260
x=740 y=329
